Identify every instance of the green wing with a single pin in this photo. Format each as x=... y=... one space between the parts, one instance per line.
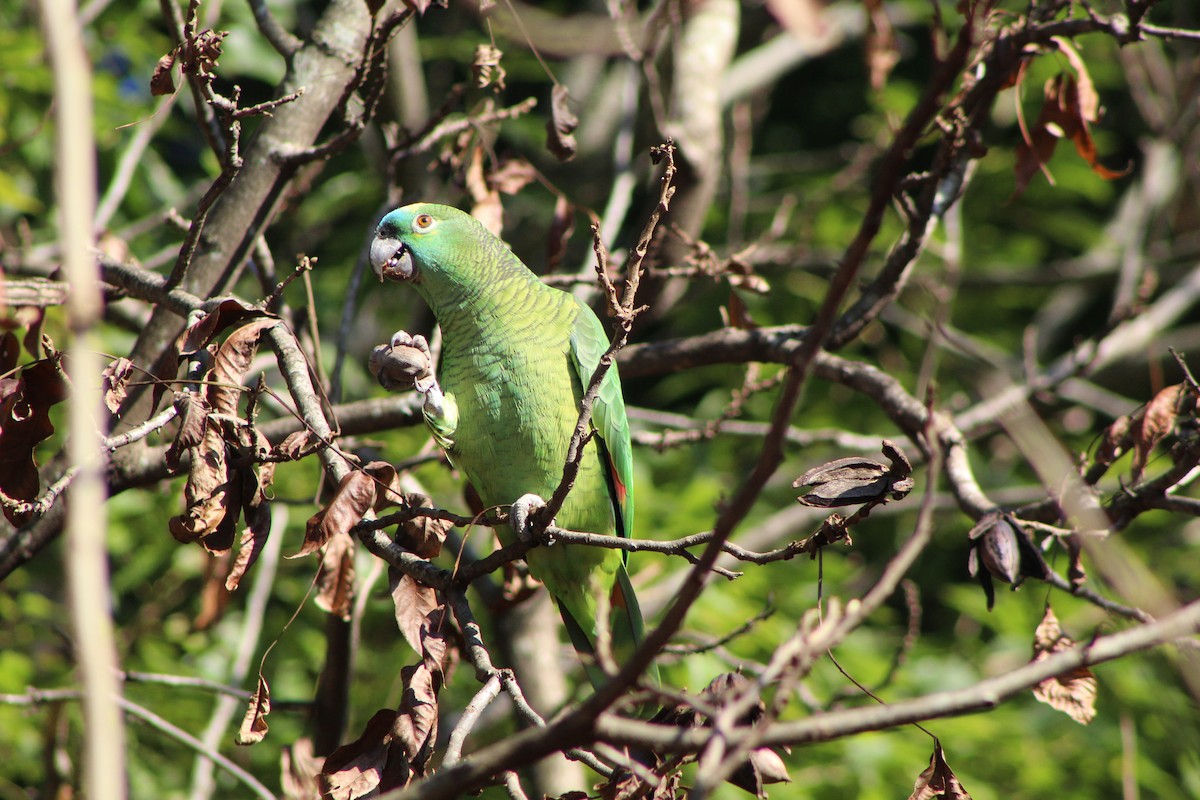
x=588 y=344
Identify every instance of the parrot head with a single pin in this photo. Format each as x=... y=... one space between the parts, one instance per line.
x=417 y=237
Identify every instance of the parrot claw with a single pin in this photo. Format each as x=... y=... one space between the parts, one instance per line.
x=406 y=339
x=522 y=513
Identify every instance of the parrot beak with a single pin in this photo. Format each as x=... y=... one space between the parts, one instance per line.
x=391 y=260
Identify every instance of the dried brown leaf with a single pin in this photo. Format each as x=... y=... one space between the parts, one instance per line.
x=293 y=445
x=511 y=176
x=1053 y=123
x=335 y=579
x=115 y=382
x=353 y=498
x=161 y=81
x=486 y=206
x=299 y=768
x=414 y=603
x=1074 y=692
x=1151 y=424
x=256 y=511
x=734 y=314
x=560 y=128
x=415 y=731
x=388 y=491
x=254 y=724
x=208 y=488
x=214 y=598
x=1088 y=99
x=192 y=414
x=485 y=67
x=25 y=401
x=422 y=535
x=1115 y=441
x=355 y=770
x=625 y=785
x=881 y=49
x=207 y=328
x=937 y=781
x=231 y=362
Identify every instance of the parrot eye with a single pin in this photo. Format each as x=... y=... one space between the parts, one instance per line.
x=423 y=222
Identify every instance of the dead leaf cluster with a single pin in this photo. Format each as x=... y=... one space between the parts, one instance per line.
x=228 y=471
x=762 y=767
x=397 y=745
x=1146 y=427
x=1070 y=106
x=196 y=56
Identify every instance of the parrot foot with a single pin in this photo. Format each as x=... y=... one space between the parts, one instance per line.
x=522 y=515
x=404 y=363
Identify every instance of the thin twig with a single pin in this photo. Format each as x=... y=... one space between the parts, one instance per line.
x=182 y=736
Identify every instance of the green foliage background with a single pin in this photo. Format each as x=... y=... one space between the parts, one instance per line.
x=807 y=128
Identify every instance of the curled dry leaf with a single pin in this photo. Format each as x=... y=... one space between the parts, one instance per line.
x=625 y=785
x=254 y=724
x=882 y=50
x=256 y=511
x=486 y=206
x=854 y=480
x=356 y=769
x=231 y=362
x=25 y=400
x=298 y=770
x=1067 y=113
x=221 y=483
x=192 y=412
x=937 y=781
x=422 y=535
x=414 y=603
x=1074 y=692
x=486 y=69
x=1145 y=428
x=1001 y=548
x=115 y=382
x=208 y=489
x=335 y=579
x=560 y=128
x=1115 y=441
x=161 y=81
x=295 y=445
x=208 y=327
x=355 y=496
x=1152 y=423
x=734 y=314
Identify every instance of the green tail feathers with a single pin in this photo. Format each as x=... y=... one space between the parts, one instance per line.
x=627 y=628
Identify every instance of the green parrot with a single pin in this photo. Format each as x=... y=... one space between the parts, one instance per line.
x=517 y=356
